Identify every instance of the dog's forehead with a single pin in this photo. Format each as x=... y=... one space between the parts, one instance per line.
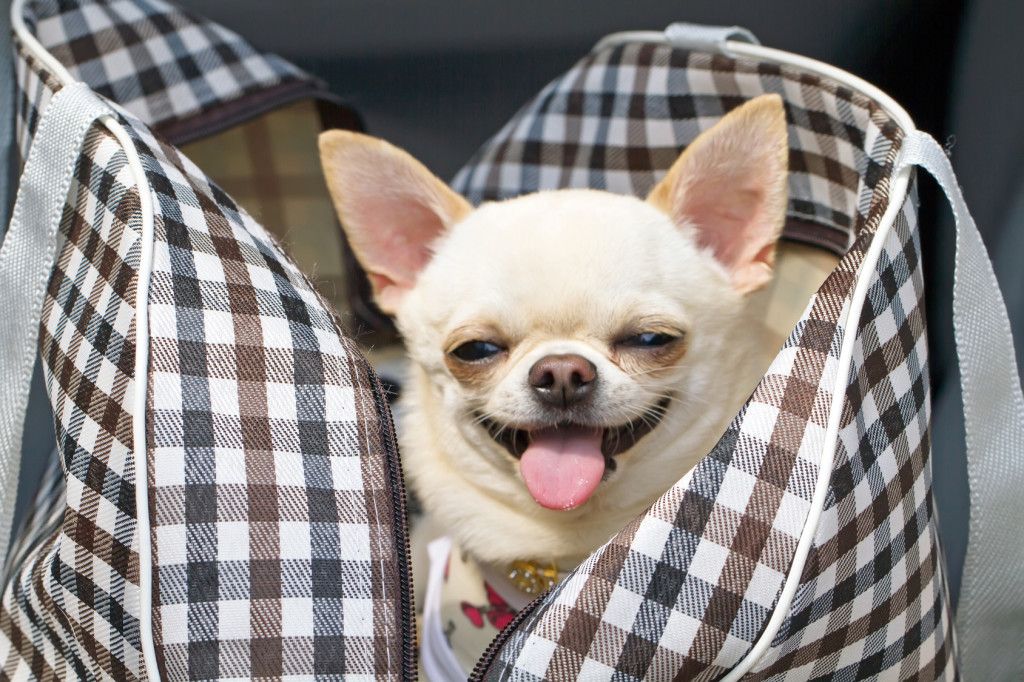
x=545 y=234
x=552 y=211
x=572 y=257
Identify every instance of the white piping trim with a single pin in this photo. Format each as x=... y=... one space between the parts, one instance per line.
x=139 y=403
x=803 y=548
x=141 y=379
x=34 y=47
x=891 y=107
x=623 y=37
x=897 y=195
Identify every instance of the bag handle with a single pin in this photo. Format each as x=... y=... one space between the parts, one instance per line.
x=990 y=616
x=26 y=261
x=699 y=37
x=707 y=38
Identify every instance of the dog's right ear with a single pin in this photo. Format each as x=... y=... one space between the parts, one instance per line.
x=730 y=186
x=392 y=209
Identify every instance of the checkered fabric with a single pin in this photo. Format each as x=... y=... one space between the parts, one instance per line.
x=685 y=591
x=71 y=610
x=165 y=65
x=271 y=167
x=275 y=497
x=277 y=511
x=872 y=601
x=619 y=118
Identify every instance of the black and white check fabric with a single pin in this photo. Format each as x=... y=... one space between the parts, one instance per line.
x=71 y=610
x=619 y=118
x=277 y=510
x=686 y=590
x=168 y=67
x=276 y=505
x=872 y=601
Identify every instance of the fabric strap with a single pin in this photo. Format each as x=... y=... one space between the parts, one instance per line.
x=990 y=616
x=707 y=38
x=26 y=259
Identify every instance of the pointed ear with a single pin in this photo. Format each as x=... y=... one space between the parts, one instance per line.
x=391 y=207
x=730 y=186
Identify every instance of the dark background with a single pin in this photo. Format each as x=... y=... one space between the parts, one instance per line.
x=439 y=76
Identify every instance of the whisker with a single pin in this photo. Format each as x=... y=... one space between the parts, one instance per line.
x=645 y=372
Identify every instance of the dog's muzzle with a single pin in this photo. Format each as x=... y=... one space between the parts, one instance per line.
x=615 y=440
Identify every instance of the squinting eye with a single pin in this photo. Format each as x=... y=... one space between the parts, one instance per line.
x=648 y=340
x=477 y=351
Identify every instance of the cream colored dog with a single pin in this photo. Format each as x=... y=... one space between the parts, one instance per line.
x=574 y=352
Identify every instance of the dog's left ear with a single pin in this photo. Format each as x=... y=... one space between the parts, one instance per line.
x=730 y=186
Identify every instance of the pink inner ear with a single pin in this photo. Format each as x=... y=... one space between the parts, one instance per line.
x=729 y=185
x=396 y=245
x=729 y=221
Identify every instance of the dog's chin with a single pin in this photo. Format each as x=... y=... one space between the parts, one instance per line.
x=615 y=440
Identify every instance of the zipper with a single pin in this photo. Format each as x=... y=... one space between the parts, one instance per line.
x=399 y=526
x=401 y=536
x=487 y=658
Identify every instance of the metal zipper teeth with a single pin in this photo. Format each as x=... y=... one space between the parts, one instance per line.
x=399 y=527
x=487 y=658
x=409 y=656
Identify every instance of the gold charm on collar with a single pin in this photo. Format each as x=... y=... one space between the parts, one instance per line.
x=532 y=578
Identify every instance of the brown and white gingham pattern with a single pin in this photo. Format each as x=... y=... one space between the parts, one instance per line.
x=872 y=600
x=619 y=118
x=275 y=492
x=685 y=590
x=71 y=610
x=270 y=167
x=160 y=62
x=276 y=502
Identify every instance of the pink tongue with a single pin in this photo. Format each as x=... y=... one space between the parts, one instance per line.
x=563 y=466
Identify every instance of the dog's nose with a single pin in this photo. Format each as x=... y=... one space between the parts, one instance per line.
x=562 y=380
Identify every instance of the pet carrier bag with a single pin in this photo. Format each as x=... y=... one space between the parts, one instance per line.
x=230 y=502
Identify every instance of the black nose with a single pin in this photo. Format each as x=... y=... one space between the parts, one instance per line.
x=562 y=380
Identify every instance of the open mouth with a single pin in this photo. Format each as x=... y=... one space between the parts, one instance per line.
x=563 y=464
x=614 y=440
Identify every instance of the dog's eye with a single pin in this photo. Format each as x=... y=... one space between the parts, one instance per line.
x=475 y=351
x=648 y=340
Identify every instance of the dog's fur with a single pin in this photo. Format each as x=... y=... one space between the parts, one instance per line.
x=570 y=271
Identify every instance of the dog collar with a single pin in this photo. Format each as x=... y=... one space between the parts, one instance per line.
x=532 y=578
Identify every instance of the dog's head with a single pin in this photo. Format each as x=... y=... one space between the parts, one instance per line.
x=571 y=335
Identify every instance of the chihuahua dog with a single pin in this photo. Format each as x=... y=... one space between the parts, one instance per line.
x=573 y=352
